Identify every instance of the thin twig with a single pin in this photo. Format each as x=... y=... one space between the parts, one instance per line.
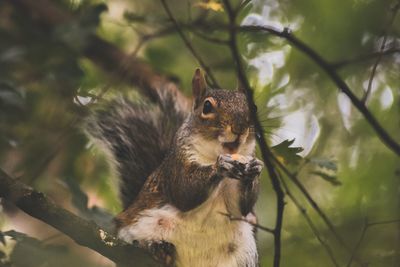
x=314 y=229
x=265 y=150
x=256 y=225
x=384 y=222
x=189 y=45
x=367 y=225
x=382 y=47
x=192 y=26
x=362 y=58
x=210 y=39
x=353 y=254
x=144 y=38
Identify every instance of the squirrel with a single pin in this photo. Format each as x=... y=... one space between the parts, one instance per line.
x=189 y=178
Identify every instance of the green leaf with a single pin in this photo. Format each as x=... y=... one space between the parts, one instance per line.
x=286 y=153
x=328 y=177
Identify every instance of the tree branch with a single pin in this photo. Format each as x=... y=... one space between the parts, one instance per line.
x=85 y=233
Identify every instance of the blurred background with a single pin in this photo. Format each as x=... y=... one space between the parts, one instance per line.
x=48 y=84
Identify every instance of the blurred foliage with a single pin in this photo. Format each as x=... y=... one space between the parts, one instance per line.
x=46 y=86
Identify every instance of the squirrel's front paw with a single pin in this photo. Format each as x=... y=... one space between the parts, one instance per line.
x=239 y=167
x=163 y=252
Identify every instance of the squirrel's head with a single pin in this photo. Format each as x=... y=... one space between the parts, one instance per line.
x=221 y=117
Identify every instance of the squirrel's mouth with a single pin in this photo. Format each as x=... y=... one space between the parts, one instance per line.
x=231 y=147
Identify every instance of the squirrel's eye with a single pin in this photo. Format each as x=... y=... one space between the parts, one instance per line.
x=207 y=108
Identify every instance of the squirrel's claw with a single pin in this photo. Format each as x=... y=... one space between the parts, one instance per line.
x=254 y=167
x=163 y=252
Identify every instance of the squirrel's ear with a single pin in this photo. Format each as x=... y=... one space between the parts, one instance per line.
x=199 y=87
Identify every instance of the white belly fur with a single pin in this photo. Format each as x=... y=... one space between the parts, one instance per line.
x=203 y=237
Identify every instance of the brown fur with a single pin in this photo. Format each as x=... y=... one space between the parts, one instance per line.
x=181 y=180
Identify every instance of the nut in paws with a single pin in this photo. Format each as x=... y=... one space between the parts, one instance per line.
x=241 y=168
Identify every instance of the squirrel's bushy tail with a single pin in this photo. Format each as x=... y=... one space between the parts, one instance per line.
x=138 y=136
